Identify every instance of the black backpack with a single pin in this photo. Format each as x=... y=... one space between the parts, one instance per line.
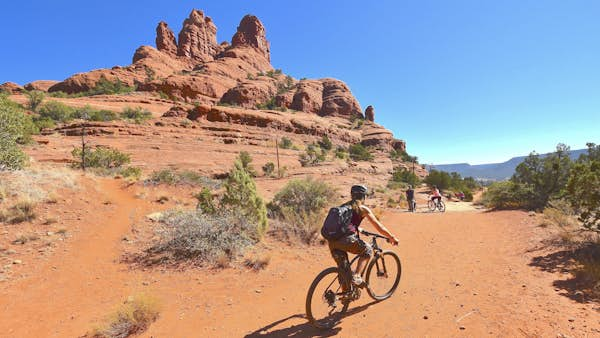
x=337 y=222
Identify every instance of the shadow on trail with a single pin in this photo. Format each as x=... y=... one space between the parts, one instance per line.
x=305 y=329
x=580 y=262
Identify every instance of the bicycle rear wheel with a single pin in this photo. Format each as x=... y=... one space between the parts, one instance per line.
x=324 y=307
x=441 y=206
x=383 y=275
x=431 y=205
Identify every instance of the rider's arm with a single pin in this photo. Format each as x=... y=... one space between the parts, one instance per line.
x=378 y=225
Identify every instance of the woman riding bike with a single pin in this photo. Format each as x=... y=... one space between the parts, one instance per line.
x=351 y=242
x=435 y=194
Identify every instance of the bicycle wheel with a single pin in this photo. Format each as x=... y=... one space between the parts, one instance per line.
x=324 y=309
x=441 y=206
x=383 y=275
x=431 y=205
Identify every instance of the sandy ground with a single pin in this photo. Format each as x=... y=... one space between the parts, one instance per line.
x=465 y=274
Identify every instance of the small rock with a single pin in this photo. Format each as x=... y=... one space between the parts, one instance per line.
x=571 y=319
x=462 y=328
x=258 y=291
x=145 y=283
x=155 y=216
x=17 y=261
x=11 y=252
x=49 y=233
x=425 y=317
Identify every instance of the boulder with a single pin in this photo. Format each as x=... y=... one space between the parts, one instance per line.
x=41 y=85
x=250 y=93
x=374 y=135
x=252 y=33
x=198 y=38
x=203 y=88
x=308 y=97
x=176 y=111
x=165 y=39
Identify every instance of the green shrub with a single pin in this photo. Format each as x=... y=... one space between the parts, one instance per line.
x=358 y=152
x=91 y=114
x=241 y=194
x=44 y=123
x=326 y=143
x=286 y=143
x=341 y=153
x=268 y=168
x=134 y=173
x=507 y=195
x=107 y=87
x=15 y=128
x=403 y=175
x=56 y=111
x=271 y=104
x=205 y=201
x=101 y=157
x=312 y=156
x=583 y=187
x=22 y=211
x=171 y=177
x=34 y=99
x=300 y=207
x=137 y=115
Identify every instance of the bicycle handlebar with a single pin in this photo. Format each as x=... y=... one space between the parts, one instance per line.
x=364 y=232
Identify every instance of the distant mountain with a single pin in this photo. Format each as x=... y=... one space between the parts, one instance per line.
x=492 y=171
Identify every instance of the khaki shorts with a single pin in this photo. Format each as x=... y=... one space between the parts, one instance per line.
x=351 y=244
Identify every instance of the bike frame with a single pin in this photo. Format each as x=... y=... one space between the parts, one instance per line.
x=376 y=254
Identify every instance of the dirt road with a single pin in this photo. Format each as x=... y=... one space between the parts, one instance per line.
x=465 y=274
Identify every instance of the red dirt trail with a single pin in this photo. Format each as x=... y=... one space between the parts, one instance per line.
x=468 y=273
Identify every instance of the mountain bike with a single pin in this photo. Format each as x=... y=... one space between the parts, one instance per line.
x=332 y=291
x=437 y=204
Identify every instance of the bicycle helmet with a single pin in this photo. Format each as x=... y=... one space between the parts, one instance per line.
x=358 y=191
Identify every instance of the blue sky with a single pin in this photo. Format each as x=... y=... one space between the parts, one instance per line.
x=460 y=81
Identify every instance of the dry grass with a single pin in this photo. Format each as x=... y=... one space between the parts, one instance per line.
x=36 y=184
x=258 y=262
x=132 y=317
x=21 y=211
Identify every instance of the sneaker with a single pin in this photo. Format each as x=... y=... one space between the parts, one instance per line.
x=357 y=280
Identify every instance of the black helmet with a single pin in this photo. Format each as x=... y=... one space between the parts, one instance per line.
x=358 y=191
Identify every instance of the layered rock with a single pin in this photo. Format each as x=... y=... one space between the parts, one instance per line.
x=198 y=38
x=252 y=33
x=165 y=39
x=308 y=97
x=338 y=100
x=41 y=85
x=249 y=94
x=374 y=135
x=370 y=114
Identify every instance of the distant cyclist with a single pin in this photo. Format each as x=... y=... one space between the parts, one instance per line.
x=410 y=197
x=351 y=242
x=435 y=194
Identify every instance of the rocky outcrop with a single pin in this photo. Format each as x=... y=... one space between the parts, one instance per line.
x=370 y=114
x=198 y=38
x=11 y=88
x=308 y=97
x=374 y=135
x=252 y=33
x=338 y=100
x=165 y=39
x=41 y=85
x=250 y=94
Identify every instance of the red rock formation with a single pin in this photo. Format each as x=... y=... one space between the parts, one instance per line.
x=338 y=100
x=11 y=87
x=370 y=114
x=41 y=85
x=251 y=93
x=165 y=39
x=198 y=38
x=251 y=32
x=308 y=97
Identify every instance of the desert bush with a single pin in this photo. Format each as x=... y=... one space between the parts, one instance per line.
x=172 y=177
x=205 y=201
x=137 y=115
x=507 y=195
x=56 y=111
x=358 y=152
x=286 y=143
x=107 y=87
x=203 y=238
x=246 y=161
x=268 y=168
x=131 y=318
x=300 y=207
x=559 y=213
x=91 y=114
x=258 y=262
x=134 y=173
x=13 y=130
x=270 y=104
x=325 y=143
x=312 y=156
x=341 y=153
x=101 y=157
x=22 y=211
x=401 y=174
x=34 y=99
x=583 y=187
x=240 y=194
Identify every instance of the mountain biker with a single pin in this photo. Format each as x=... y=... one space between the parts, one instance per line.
x=435 y=194
x=351 y=242
x=410 y=197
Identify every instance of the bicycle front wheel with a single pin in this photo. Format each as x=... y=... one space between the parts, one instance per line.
x=441 y=206
x=324 y=306
x=383 y=275
x=431 y=205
